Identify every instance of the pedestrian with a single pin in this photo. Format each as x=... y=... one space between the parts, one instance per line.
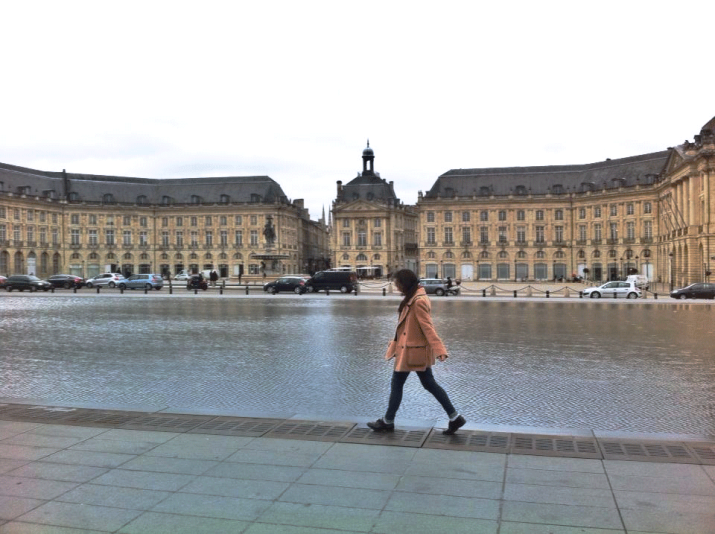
x=214 y=278
x=415 y=347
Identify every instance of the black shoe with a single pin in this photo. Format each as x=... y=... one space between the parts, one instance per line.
x=455 y=425
x=381 y=426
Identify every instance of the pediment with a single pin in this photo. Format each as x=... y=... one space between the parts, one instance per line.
x=361 y=205
x=675 y=161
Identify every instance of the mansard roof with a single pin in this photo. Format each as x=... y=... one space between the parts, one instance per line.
x=554 y=178
x=93 y=188
x=369 y=187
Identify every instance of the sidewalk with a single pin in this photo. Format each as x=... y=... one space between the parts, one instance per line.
x=70 y=478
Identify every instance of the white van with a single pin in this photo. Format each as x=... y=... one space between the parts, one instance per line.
x=640 y=280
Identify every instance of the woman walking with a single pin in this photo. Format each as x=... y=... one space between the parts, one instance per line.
x=415 y=347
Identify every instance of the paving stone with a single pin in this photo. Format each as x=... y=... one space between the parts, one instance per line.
x=169 y=465
x=265 y=528
x=37 y=440
x=665 y=502
x=411 y=523
x=15 y=527
x=156 y=523
x=80 y=432
x=196 y=452
x=80 y=516
x=547 y=463
x=685 y=485
x=531 y=528
x=273 y=458
x=336 y=496
x=117 y=497
x=449 y=486
x=647 y=469
x=464 y=471
x=540 y=477
x=559 y=514
x=139 y=435
x=12 y=507
x=559 y=495
x=671 y=522
x=320 y=516
x=143 y=480
x=349 y=479
x=418 y=503
x=7 y=465
x=100 y=444
x=22 y=452
x=213 y=506
x=289 y=445
x=95 y=459
x=63 y=472
x=232 y=487
x=276 y=473
x=33 y=488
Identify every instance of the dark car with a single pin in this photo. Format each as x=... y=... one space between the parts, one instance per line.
x=67 y=281
x=343 y=281
x=21 y=282
x=695 y=291
x=294 y=284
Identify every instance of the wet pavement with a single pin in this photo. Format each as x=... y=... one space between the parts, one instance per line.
x=612 y=366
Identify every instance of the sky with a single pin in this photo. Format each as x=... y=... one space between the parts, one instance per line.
x=294 y=90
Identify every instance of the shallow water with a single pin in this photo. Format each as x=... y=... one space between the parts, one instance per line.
x=596 y=365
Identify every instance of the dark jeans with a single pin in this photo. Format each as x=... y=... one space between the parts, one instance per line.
x=428 y=382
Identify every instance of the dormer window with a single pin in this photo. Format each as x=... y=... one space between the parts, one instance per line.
x=225 y=199
x=73 y=197
x=520 y=190
x=255 y=197
x=195 y=199
x=558 y=189
x=165 y=200
x=141 y=200
x=49 y=193
x=108 y=198
x=484 y=191
x=449 y=192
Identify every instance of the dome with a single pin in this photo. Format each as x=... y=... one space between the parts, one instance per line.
x=368 y=151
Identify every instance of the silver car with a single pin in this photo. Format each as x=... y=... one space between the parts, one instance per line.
x=438 y=286
x=142 y=281
x=106 y=279
x=613 y=289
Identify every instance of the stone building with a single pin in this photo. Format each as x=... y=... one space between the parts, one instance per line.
x=372 y=232
x=651 y=214
x=52 y=222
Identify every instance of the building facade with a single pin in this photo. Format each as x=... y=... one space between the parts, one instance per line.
x=52 y=222
x=372 y=232
x=650 y=214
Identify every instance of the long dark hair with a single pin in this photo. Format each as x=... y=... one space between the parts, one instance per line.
x=409 y=283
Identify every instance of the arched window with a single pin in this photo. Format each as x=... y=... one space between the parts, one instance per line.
x=540 y=254
x=127 y=256
x=238 y=256
x=559 y=254
x=431 y=255
x=521 y=254
x=448 y=255
x=376 y=257
x=361 y=257
x=484 y=255
x=346 y=257
x=208 y=256
x=596 y=254
x=466 y=255
x=110 y=256
x=193 y=256
x=144 y=256
x=581 y=254
x=503 y=255
x=75 y=256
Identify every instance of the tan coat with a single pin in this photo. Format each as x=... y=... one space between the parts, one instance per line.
x=416 y=344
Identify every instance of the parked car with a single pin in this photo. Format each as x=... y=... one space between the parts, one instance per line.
x=294 y=284
x=67 y=281
x=106 y=279
x=21 y=282
x=620 y=289
x=640 y=280
x=343 y=281
x=695 y=291
x=439 y=287
x=197 y=282
x=142 y=281
x=3 y=280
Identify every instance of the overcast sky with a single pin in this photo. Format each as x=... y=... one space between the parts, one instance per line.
x=293 y=90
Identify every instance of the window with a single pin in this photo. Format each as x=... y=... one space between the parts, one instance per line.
x=224 y=238
x=346 y=223
x=165 y=238
x=502 y=215
x=74 y=236
x=614 y=231
x=194 y=238
x=238 y=220
x=377 y=239
x=582 y=213
x=43 y=235
x=108 y=236
x=465 y=216
x=484 y=215
x=597 y=233
x=539 y=234
x=165 y=200
x=362 y=238
x=165 y=221
x=17 y=233
x=31 y=234
x=209 y=220
x=43 y=217
x=143 y=238
x=630 y=210
x=648 y=229
x=179 y=221
x=74 y=218
x=559 y=234
x=647 y=207
x=93 y=237
x=484 y=191
x=431 y=236
x=539 y=215
x=582 y=232
x=430 y=216
x=520 y=190
x=195 y=199
x=466 y=234
x=209 y=238
x=17 y=214
x=141 y=199
x=520 y=215
x=502 y=234
x=254 y=220
x=630 y=230
x=92 y=219
x=597 y=212
x=3 y=212
x=143 y=222
x=30 y=215
x=448 y=238
x=378 y=222
x=346 y=239
x=127 y=237
x=559 y=215
x=521 y=234
x=447 y=216
x=127 y=220
x=108 y=198
x=484 y=234
x=194 y=221
x=225 y=199
x=56 y=237
x=614 y=210
x=54 y=218
x=239 y=237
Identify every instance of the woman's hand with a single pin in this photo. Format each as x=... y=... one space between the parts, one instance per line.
x=442 y=357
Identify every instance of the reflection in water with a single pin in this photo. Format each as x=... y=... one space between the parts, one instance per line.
x=606 y=366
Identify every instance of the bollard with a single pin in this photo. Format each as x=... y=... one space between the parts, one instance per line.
x=615 y=295
x=356 y=291
x=547 y=293
x=52 y=289
x=384 y=291
x=246 y=289
x=196 y=291
x=580 y=294
x=121 y=291
x=515 y=293
x=75 y=289
x=145 y=290
x=327 y=292
x=97 y=290
x=484 y=292
x=655 y=296
x=220 y=290
x=171 y=289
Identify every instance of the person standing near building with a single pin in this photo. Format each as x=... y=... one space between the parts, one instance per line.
x=213 y=276
x=415 y=347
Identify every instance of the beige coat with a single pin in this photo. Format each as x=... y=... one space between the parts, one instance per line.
x=416 y=344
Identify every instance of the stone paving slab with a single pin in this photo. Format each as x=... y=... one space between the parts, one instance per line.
x=99 y=479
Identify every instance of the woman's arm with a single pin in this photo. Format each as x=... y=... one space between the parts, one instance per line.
x=424 y=318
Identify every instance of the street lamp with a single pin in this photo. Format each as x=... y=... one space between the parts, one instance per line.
x=622 y=277
x=670 y=255
x=514 y=269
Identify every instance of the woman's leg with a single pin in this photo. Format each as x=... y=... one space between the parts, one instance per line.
x=431 y=385
x=398 y=382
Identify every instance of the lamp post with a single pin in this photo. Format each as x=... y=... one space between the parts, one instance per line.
x=670 y=256
x=514 y=269
x=622 y=277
